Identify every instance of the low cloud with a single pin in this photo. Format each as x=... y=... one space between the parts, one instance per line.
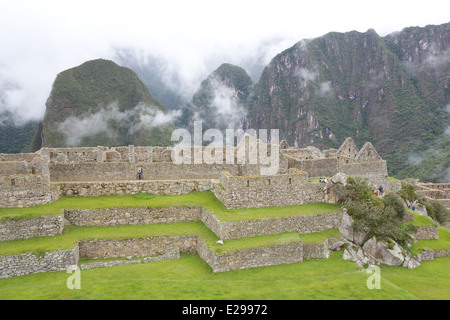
x=325 y=89
x=305 y=76
x=75 y=129
x=229 y=110
x=414 y=159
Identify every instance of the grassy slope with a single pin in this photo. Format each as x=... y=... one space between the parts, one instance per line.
x=205 y=199
x=71 y=235
x=191 y=278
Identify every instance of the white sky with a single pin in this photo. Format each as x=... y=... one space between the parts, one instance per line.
x=39 y=39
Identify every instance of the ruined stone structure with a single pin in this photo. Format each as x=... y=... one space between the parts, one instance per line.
x=42 y=177
x=229 y=172
x=435 y=191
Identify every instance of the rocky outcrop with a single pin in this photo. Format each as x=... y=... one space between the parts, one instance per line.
x=384 y=252
x=373 y=251
x=347 y=231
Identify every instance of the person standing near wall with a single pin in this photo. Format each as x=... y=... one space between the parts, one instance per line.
x=140 y=173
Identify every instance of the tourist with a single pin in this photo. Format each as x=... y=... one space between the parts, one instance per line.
x=381 y=190
x=140 y=173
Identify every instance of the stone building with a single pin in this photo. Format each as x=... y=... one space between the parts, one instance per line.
x=35 y=178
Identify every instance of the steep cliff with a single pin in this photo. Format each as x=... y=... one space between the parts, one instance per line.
x=392 y=91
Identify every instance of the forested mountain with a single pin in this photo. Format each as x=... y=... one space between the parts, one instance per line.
x=392 y=91
x=101 y=103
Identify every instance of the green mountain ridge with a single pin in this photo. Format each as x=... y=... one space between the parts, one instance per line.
x=105 y=99
x=365 y=86
x=391 y=90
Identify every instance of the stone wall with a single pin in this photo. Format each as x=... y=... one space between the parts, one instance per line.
x=49 y=226
x=24 y=190
x=170 y=187
x=374 y=171
x=28 y=157
x=428 y=255
x=132 y=215
x=172 y=254
x=252 y=258
x=427 y=232
x=114 y=171
x=22 y=264
x=266 y=191
x=326 y=167
x=252 y=228
x=29 y=228
x=143 y=247
x=316 y=250
x=15 y=168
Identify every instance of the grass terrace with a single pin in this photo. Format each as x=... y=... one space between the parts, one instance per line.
x=71 y=235
x=205 y=199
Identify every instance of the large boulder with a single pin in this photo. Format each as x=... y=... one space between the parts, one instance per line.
x=356 y=254
x=340 y=178
x=347 y=231
x=410 y=262
x=383 y=252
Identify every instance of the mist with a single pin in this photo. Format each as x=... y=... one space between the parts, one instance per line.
x=40 y=39
x=75 y=129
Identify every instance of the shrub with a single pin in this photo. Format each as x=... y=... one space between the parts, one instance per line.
x=408 y=191
x=381 y=218
x=437 y=211
x=393 y=201
x=356 y=189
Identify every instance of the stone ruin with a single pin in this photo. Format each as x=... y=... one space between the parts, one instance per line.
x=42 y=177
x=36 y=178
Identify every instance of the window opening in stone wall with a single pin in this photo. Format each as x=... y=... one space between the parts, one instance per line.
x=13 y=182
x=268 y=182
x=248 y=183
x=290 y=180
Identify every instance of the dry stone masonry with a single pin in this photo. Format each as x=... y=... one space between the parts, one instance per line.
x=42 y=177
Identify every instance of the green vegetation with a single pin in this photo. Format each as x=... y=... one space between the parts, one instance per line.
x=420 y=220
x=15 y=138
x=205 y=199
x=382 y=218
x=191 y=278
x=441 y=244
x=400 y=110
x=437 y=211
x=71 y=235
x=320 y=237
x=408 y=191
x=93 y=87
x=226 y=76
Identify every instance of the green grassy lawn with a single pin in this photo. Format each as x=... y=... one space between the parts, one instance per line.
x=441 y=244
x=205 y=199
x=191 y=278
x=71 y=235
x=319 y=237
x=420 y=221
